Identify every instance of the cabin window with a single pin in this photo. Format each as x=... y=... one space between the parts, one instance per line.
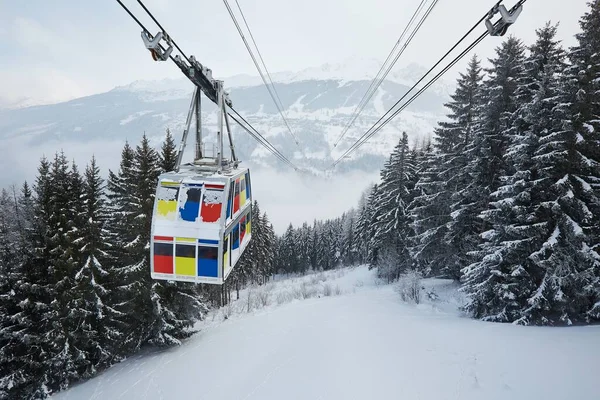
x=211 y=205
x=166 y=205
x=242 y=192
x=242 y=228
x=185 y=259
x=235 y=237
x=248 y=191
x=230 y=201
x=236 y=197
x=208 y=264
x=163 y=258
x=248 y=222
x=189 y=203
x=225 y=253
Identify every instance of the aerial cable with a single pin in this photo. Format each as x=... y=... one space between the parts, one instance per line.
x=251 y=130
x=259 y=53
x=260 y=138
x=272 y=91
x=367 y=135
x=372 y=131
x=376 y=82
x=389 y=68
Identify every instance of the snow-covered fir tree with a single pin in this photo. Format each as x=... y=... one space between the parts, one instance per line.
x=434 y=249
x=486 y=150
x=363 y=226
x=505 y=274
x=390 y=239
x=92 y=304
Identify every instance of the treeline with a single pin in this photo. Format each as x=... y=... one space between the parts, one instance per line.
x=505 y=198
x=75 y=288
x=322 y=246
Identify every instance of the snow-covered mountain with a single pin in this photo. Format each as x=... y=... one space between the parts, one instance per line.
x=318 y=102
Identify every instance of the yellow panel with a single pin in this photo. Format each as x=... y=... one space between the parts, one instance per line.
x=248 y=227
x=182 y=239
x=185 y=266
x=226 y=260
x=242 y=197
x=165 y=183
x=167 y=209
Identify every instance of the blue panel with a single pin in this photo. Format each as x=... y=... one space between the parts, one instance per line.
x=209 y=268
x=207 y=241
x=248 y=191
x=208 y=264
x=190 y=211
x=230 y=200
x=235 y=233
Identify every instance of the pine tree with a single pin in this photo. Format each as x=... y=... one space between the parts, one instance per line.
x=391 y=230
x=288 y=252
x=363 y=228
x=61 y=263
x=120 y=188
x=570 y=156
x=30 y=352
x=517 y=216
x=135 y=196
x=17 y=378
x=91 y=305
x=493 y=122
x=268 y=256
x=11 y=369
x=580 y=110
x=434 y=249
x=124 y=286
x=168 y=154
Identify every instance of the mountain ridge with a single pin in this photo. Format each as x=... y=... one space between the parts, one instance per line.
x=317 y=109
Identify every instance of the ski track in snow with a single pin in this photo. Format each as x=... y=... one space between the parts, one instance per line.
x=363 y=344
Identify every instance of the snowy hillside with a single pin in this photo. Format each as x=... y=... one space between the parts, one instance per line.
x=351 y=338
x=318 y=102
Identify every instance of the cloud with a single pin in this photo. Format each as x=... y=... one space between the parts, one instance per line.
x=287 y=197
x=98 y=47
x=31 y=35
x=39 y=85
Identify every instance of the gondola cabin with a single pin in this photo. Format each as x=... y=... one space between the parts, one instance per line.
x=201 y=224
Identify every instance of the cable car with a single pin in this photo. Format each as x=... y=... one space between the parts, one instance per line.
x=201 y=224
x=202 y=215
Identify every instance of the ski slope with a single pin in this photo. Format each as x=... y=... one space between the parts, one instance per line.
x=361 y=344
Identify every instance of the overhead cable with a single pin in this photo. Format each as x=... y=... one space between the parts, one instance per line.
x=271 y=88
x=379 y=78
x=246 y=125
x=375 y=128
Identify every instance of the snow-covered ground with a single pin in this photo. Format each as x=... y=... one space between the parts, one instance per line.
x=358 y=342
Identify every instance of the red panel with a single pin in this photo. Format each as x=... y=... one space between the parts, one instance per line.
x=163 y=264
x=236 y=203
x=211 y=212
x=208 y=186
x=167 y=238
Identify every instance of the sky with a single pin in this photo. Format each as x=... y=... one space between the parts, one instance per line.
x=62 y=49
